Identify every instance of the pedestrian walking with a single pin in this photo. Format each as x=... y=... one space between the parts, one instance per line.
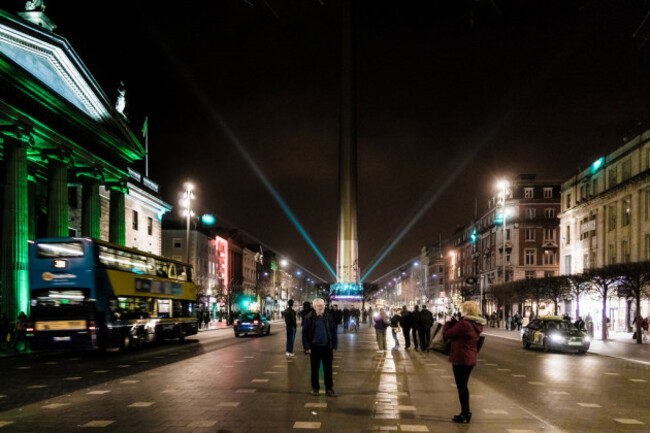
x=415 y=326
x=371 y=317
x=644 y=328
x=381 y=323
x=206 y=319
x=426 y=322
x=406 y=327
x=290 y=320
x=464 y=335
x=338 y=316
x=395 y=322
x=20 y=331
x=320 y=340
x=364 y=315
x=4 y=331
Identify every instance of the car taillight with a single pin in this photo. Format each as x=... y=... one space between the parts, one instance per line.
x=237 y=322
x=256 y=322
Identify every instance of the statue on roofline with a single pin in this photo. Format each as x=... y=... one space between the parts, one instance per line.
x=33 y=5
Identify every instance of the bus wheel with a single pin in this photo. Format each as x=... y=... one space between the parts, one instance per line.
x=181 y=333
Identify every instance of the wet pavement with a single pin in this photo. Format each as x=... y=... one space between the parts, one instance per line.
x=216 y=383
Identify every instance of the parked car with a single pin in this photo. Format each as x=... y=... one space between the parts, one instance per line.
x=555 y=333
x=251 y=323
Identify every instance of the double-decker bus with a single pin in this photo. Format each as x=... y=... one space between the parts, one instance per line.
x=89 y=294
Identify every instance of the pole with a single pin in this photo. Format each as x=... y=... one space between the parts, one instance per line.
x=146 y=151
x=188 y=192
x=504 y=245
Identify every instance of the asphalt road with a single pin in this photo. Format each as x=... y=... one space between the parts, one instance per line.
x=217 y=383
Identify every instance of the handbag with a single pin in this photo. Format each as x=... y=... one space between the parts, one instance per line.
x=396 y=329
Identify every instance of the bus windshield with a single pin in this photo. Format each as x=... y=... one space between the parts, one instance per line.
x=53 y=250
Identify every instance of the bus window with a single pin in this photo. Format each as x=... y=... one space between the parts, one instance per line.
x=52 y=250
x=163 y=308
x=178 y=308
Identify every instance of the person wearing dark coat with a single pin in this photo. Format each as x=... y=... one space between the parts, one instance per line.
x=464 y=335
x=395 y=322
x=406 y=327
x=290 y=320
x=320 y=340
x=416 y=326
x=426 y=322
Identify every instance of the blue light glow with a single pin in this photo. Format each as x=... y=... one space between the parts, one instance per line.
x=597 y=164
x=207 y=219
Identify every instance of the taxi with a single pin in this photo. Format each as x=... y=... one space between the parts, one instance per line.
x=554 y=333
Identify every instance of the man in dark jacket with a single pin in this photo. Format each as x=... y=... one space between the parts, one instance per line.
x=320 y=340
x=426 y=322
x=415 y=325
x=290 y=320
x=406 y=327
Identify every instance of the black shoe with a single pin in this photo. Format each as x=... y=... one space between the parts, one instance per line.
x=462 y=418
x=314 y=392
x=331 y=393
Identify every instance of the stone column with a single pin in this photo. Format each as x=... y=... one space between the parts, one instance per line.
x=57 y=196
x=91 y=208
x=117 y=217
x=13 y=244
x=31 y=212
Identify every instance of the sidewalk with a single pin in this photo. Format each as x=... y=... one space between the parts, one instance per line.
x=620 y=345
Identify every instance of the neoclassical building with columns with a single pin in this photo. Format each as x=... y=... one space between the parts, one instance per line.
x=66 y=150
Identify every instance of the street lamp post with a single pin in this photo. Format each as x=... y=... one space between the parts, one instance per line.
x=503 y=186
x=188 y=196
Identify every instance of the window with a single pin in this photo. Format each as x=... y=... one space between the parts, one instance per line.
x=612 y=254
x=528 y=193
x=549 y=234
x=611 y=177
x=611 y=221
x=549 y=213
x=178 y=243
x=548 y=274
x=626 y=170
x=647 y=204
x=530 y=235
x=507 y=234
x=529 y=255
x=585 y=261
x=625 y=251
x=530 y=213
x=530 y=275
x=548 y=192
x=568 y=200
x=549 y=257
x=626 y=211
x=594 y=187
x=73 y=201
x=567 y=264
x=568 y=234
x=149 y=226
x=135 y=220
x=647 y=247
x=583 y=192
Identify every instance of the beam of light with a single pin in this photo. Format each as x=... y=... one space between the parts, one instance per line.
x=239 y=146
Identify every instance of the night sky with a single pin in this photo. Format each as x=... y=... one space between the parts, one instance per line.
x=452 y=95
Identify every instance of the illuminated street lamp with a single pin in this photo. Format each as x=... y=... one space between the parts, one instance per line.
x=186 y=203
x=503 y=186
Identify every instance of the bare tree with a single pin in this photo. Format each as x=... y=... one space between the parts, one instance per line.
x=603 y=280
x=633 y=280
x=554 y=288
x=579 y=284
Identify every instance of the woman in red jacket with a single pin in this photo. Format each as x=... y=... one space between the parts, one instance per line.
x=463 y=335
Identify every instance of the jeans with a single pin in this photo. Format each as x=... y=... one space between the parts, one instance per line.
x=461 y=374
x=381 y=338
x=416 y=338
x=425 y=337
x=407 y=336
x=291 y=336
x=325 y=355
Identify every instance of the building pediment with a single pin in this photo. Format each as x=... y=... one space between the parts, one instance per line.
x=549 y=245
x=50 y=59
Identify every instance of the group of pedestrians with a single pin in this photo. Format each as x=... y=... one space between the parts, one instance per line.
x=9 y=338
x=414 y=324
x=320 y=340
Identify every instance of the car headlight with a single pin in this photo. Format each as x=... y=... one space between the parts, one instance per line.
x=586 y=339
x=556 y=337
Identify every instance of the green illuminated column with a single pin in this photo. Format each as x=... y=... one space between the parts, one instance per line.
x=57 y=197
x=13 y=260
x=90 y=208
x=117 y=218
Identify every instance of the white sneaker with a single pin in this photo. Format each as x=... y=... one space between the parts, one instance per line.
x=291 y=354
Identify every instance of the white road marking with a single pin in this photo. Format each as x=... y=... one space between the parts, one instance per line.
x=23 y=368
x=518 y=375
x=5 y=423
x=126 y=382
x=123 y=366
x=202 y=423
x=247 y=390
x=98 y=392
x=589 y=405
x=73 y=378
x=495 y=411
x=611 y=374
x=628 y=421
x=536 y=383
x=141 y=404
x=638 y=380
x=100 y=371
x=306 y=425
x=405 y=408
x=98 y=423
x=405 y=427
x=55 y=405
x=323 y=405
x=228 y=404
x=259 y=380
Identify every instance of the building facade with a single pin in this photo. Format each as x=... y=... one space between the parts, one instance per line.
x=605 y=217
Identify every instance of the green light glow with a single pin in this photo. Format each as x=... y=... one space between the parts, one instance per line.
x=597 y=164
